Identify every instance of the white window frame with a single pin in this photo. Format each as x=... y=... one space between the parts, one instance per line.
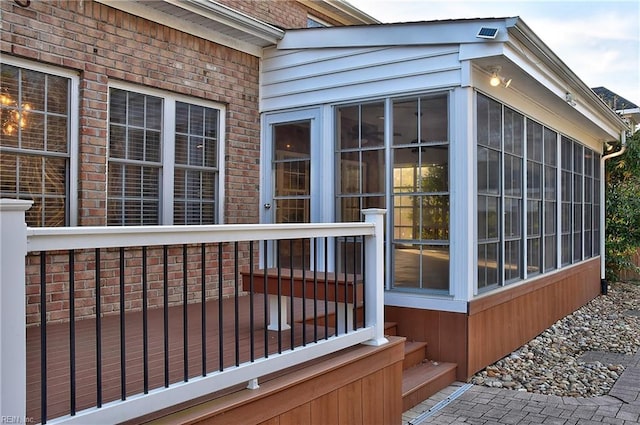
x=73 y=122
x=167 y=150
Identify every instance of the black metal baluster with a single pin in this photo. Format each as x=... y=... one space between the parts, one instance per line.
x=203 y=282
x=346 y=284
x=291 y=292
x=304 y=299
x=185 y=323
x=145 y=324
x=354 y=307
x=279 y=268
x=236 y=294
x=315 y=289
x=326 y=288
x=123 y=364
x=72 y=332
x=265 y=300
x=98 y=332
x=364 y=281
x=165 y=312
x=336 y=245
x=220 y=312
x=43 y=337
x=251 y=309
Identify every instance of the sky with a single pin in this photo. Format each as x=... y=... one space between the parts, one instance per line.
x=598 y=40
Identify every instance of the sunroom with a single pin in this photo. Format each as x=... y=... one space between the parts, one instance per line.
x=482 y=146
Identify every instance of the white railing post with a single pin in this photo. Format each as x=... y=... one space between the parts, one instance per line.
x=13 y=341
x=374 y=272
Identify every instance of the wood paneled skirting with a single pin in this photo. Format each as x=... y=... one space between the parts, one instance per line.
x=361 y=385
x=444 y=332
x=501 y=322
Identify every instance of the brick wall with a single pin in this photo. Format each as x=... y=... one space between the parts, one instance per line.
x=103 y=44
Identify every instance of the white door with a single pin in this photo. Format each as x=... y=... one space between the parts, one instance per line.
x=290 y=173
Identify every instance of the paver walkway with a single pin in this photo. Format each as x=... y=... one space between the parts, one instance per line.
x=489 y=406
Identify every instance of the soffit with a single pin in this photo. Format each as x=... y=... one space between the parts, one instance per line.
x=341 y=11
x=206 y=19
x=521 y=36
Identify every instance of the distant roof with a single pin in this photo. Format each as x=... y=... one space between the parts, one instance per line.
x=615 y=101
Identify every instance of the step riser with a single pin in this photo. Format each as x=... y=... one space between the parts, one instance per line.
x=415 y=354
x=417 y=395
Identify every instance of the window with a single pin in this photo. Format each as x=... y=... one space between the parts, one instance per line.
x=360 y=153
x=596 y=205
x=542 y=157
x=500 y=193
x=588 y=202
x=37 y=141
x=578 y=195
x=360 y=157
x=196 y=165
x=566 y=190
x=550 y=199
x=489 y=125
x=420 y=195
x=157 y=141
x=419 y=172
x=535 y=147
x=505 y=139
x=512 y=183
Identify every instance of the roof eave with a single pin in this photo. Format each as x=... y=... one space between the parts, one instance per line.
x=256 y=34
x=523 y=34
x=233 y=18
x=340 y=10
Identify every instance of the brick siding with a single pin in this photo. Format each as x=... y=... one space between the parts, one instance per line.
x=103 y=45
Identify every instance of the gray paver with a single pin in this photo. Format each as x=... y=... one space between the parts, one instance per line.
x=492 y=406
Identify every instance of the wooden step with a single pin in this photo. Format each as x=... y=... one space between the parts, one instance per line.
x=390 y=328
x=330 y=317
x=424 y=380
x=415 y=353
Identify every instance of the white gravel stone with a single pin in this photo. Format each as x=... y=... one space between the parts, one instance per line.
x=550 y=363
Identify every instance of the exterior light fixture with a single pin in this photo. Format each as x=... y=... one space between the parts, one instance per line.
x=568 y=97
x=497 y=79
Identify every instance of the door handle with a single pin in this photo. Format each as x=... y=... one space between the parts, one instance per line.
x=267 y=205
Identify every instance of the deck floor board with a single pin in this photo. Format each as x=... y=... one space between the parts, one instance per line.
x=58 y=376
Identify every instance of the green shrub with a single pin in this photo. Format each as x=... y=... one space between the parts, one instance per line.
x=622 y=209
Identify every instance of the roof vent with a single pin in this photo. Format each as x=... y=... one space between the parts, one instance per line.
x=487 y=32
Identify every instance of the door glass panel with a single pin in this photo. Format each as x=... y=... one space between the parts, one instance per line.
x=292 y=194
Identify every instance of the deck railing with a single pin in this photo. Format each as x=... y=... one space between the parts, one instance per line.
x=60 y=279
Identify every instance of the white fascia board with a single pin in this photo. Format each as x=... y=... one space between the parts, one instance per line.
x=220 y=13
x=139 y=9
x=341 y=11
x=608 y=122
x=546 y=74
x=403 y=34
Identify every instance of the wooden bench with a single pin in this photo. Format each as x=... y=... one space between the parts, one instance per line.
x=344 y=289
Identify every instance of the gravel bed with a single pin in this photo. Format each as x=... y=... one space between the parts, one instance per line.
x=561 y=360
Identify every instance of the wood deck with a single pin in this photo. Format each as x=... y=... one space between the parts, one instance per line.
x=58 y=364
